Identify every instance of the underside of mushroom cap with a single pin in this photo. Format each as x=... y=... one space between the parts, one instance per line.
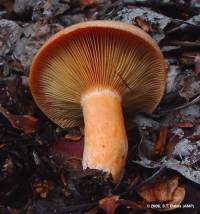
x=96 y=55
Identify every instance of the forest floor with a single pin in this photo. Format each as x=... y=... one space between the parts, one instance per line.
x=162 y=172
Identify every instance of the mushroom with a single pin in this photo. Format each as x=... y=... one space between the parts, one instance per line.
x=96 y=69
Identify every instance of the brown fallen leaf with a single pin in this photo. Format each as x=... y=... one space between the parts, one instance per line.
x=143 y=23
x=112 y=202
x=178 y=197
x=184 y=124
x=146 y=25
x=160 y=143
x=167 y=192
x=41 y=187
x=173 y=140
x=16 y=65
x=159 y=191
x=69 y=148
x=197 y=64
x=86 y=3
x=68 y=155
x=7 y=4
x=2 y=145
x=188 y=58
x=73 y=137
x=109 y=204
x=194 y=138
x=27 y=123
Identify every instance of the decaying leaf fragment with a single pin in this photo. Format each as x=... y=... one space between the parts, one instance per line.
x=2 y=145
x=109 y=204
x=112 y=202
x=167 y=192
x=73 y=137
x=7 y=4
x=197 y=64
x=26 y=123
x=69 y=148
x=183 y=124
x=148 y=20
x=160 y=143
x=41 y=187
x=190 y=89
x=146 y=26
x=86 y=3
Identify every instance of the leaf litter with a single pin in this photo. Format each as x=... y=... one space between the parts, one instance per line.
x=163 y=165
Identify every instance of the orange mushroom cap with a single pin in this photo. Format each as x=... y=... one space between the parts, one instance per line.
x=96 y=54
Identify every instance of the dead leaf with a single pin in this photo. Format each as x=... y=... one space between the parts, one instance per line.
x=160 y=143
x=15 y=96
x=41 y=187
x=7 y=4
x=158 y=21
x=68 y=155
x=165 y=191
x=73 y=137
x=145 y=25
x=173 y=140
x=10 y=32
x=16 y=65
x=190 y=26
x=34 y=36
x=45 y=10
x=109 y=204
x=188 y=58
x=8 y=166
x=185 y=154
x=190 y=89
x=2 y=145
x=197 y=64
x=131 y=204
x=112 y=202
x=173 y=72
x=87 y=3
x=160 y=191
x=183 y=124
x=27 y=123
x=69 y=148
x=178 y=197
x=187 y=171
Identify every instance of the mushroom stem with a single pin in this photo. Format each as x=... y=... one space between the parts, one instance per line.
x=105 y=135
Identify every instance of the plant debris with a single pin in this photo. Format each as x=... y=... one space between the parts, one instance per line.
x=162 y=172
x=166 y=191
x=26 y=123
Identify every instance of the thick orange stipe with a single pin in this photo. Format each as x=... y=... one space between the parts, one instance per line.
x=105 y=135
x=98 y=56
